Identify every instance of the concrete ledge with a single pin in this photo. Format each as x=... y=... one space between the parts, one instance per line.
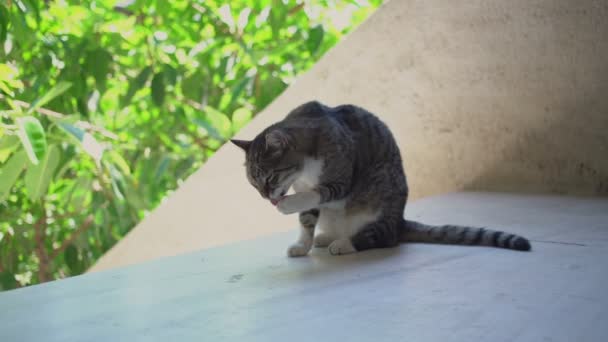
x=250 y=291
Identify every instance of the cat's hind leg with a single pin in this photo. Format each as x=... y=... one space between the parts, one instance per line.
x=308 y=221
x=378 y=234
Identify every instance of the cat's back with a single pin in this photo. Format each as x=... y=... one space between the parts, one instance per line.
x=355 y=118
x=351 y=122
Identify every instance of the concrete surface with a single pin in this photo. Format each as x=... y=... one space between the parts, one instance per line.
x=250 y=291
x=485 y=95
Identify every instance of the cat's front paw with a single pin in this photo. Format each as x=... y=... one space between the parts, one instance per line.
x=298 y=202
x=341 y=247
x=298 y=249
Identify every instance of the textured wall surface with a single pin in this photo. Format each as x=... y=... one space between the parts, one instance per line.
x=481 y=95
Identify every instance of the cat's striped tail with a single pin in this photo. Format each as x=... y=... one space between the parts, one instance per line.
x=460 y=235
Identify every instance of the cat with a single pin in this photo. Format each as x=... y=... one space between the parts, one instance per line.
x=347 y=174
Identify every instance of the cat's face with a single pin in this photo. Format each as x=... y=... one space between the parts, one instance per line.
x=272 y=163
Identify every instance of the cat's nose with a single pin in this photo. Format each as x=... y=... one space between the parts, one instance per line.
x=264 y=193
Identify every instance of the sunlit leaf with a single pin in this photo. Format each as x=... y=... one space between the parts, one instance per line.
x=85 y=139
x=230 y=98
x=8 y=144
x=219 y=121
x=240 y=118
x=32 y=7
x=32 y=138
x=208 y=127
x=119 y=161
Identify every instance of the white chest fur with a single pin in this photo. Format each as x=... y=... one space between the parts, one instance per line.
x=333 y=219
x=309 y=176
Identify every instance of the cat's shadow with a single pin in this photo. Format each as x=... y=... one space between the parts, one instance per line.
x=319 y=263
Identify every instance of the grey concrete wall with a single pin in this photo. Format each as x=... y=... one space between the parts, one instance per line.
x=481 y=95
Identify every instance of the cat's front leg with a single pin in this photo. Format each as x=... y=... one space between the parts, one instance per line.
x=308 y=221
x=299 y=202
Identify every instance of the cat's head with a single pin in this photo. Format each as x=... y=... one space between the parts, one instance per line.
x=272 y=162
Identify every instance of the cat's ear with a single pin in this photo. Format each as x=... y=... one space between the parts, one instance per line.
x=277 y=140
x=243 y=144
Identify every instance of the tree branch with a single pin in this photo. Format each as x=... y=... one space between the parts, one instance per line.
x=295 y=9
x=43 y=257
x=88 y=222
x=57 y=115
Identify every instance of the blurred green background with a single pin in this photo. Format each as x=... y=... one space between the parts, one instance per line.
x=106 y=106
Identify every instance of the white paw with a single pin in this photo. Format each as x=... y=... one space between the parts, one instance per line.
x=298 y=202
x=298 y=249
x=341 y=246
x=323 y=240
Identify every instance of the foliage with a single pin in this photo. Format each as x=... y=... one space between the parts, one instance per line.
x=106 y=106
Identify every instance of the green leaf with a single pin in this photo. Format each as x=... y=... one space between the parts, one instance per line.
x=276 y=19
x=119 y=161
x=192 y=86
x=32 y=6
x=211 y=131
x=10 y=171
x=57 y=90
x=7 y=281
x=70 y=256
x=8 y=144
x=38 y=177
x=162 y=168
x=220 y=121
x=158 y=89
x=98 y=62
x=136 y=84
x=78 y=195
x=32 y=138
x=230 y=98
x=72 y=130
x=4 y=19
x=315 y=38
x=271 y=88
x=85 y=140
x=19 y=27
x=240 y=118
x=170 y=74
x=67 y=155
x=133 y=197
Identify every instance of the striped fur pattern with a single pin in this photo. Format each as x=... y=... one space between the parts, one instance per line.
x=350 y=188
x=461 y=235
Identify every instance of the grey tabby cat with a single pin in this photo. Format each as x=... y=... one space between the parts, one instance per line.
x=346 y=171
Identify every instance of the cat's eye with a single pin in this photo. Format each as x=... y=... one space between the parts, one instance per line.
x=283 y=169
